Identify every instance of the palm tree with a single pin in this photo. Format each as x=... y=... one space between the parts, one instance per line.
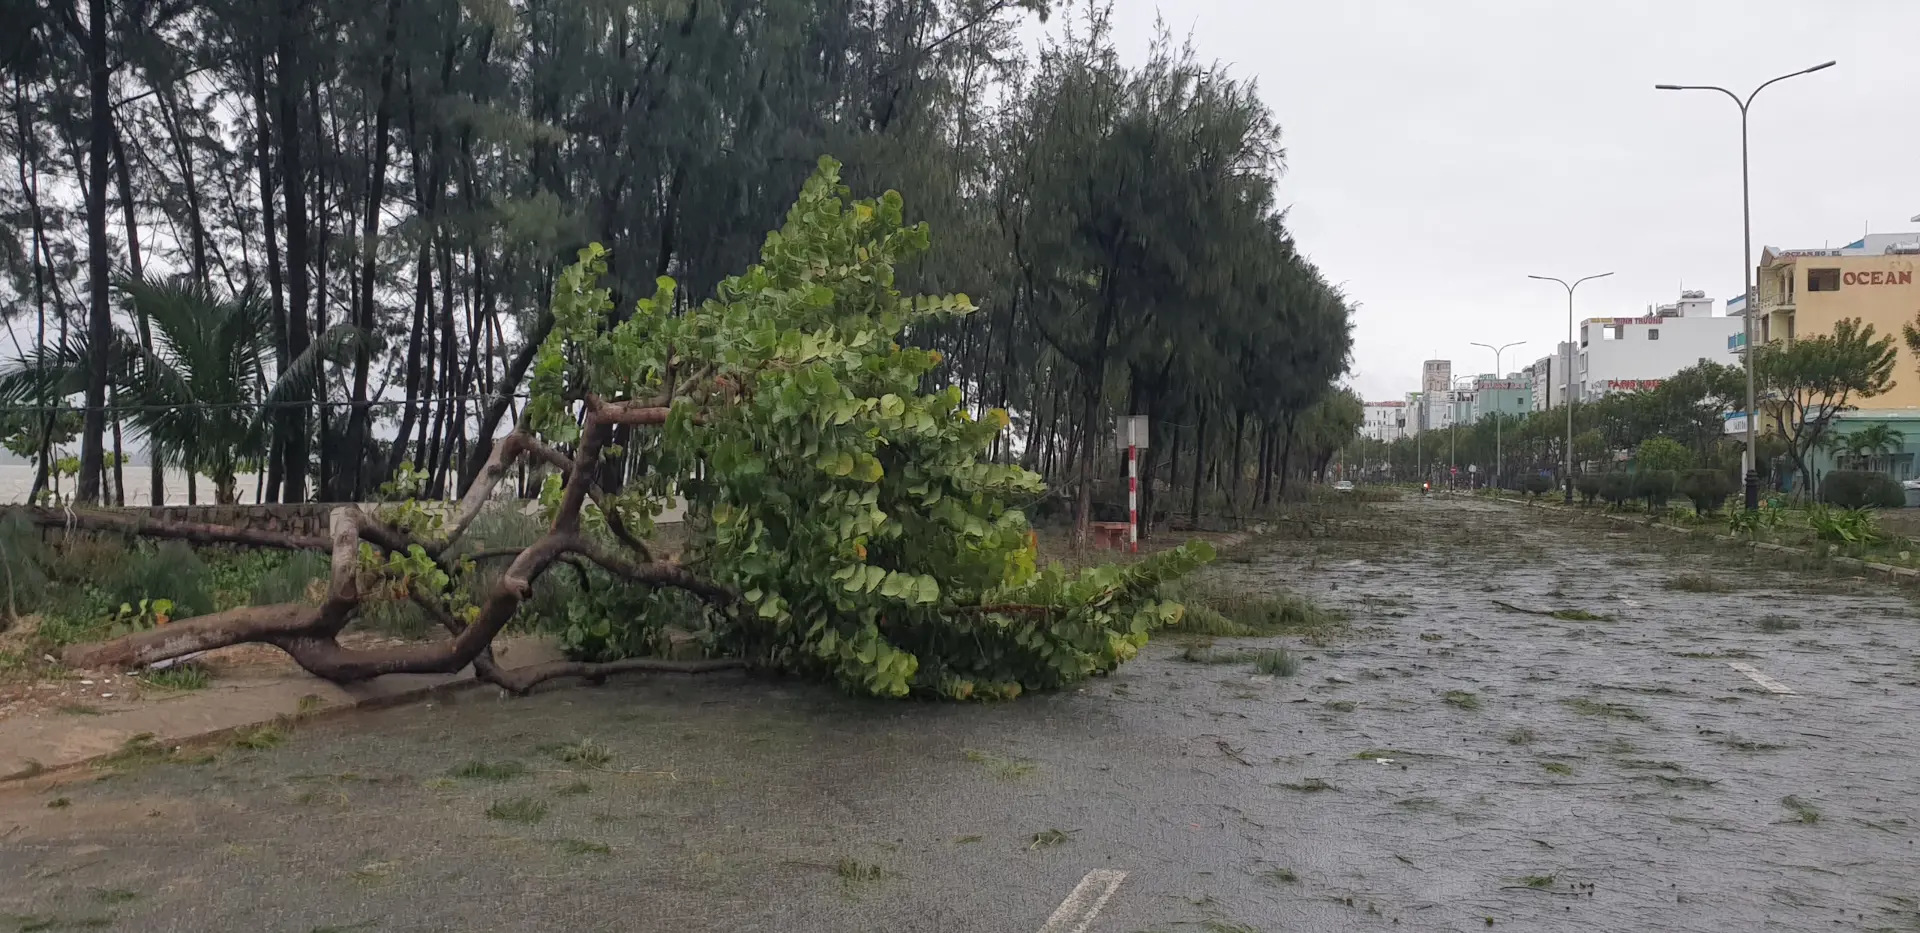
x=200 y=390
x=1875 y=440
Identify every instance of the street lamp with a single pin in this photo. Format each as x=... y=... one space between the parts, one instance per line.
x=1498 y=373
x=1746 y=258
x=1566 y=455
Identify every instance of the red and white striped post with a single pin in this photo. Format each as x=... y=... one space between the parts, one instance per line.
x=1133 y=497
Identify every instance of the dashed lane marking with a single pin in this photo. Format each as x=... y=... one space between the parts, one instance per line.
x=1084 y=902
x=1753 y=674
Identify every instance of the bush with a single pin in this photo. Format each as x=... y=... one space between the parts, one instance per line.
x=1708 y=489
x=1655 y=486
x=1616 y=488
x=1861 y=489
x=1588 y=486
x=1663 y=455
x=1536 y=484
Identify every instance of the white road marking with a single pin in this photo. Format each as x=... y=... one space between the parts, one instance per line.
x=1076 y=913
x=1753 y=673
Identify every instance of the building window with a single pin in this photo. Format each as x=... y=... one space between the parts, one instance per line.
x=1653 y=333
x=1823 y=280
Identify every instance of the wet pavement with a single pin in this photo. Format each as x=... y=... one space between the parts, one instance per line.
x=1651 y=758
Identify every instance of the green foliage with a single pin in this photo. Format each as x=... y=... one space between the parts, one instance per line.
x=1756 y=523
x=1655 y=486
x=1662 y=454
x=1536 y=484
x=1852 y=527
x=1816 y=376
x=1617 y=488
x=1708 y=489
x=1855 y=489
x=1588 y=486
x=851 y=510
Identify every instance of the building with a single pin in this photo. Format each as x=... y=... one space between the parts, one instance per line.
x=1384 y=421
x=1548 y=375
x=1633 y=353
x=1804 y=291
x=1511 y=396
x=1436 y=386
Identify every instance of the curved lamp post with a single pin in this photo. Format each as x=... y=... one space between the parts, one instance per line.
x=1566 y=455
x=1746 y=257
x=1498 y=373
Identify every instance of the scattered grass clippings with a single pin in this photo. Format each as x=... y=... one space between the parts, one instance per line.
x=1539 y=881
x=518 y=810
x=1048 y=838
x=1587 y=706
x=575 y=789
x=1578 y=615
x=59 y=803
x=1342 y=706
x=79 y=709
x=1278 y=662
x=1777 y=624
x=1308 y=786
x=1520 y=736
x=1463 y=699
x=1279 y=876
x=1006 y=769
x=854 y=871
x=489 y=770
x=1556 y=767
x=115 y=895
x=964 y=840
x=179 y=677
x=261 y=737
x=584 y=752
x=584 y=847
x=1803 y=811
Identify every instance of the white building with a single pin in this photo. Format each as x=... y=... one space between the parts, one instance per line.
x=1549 y=377
x=1630 y=354
x=1384 y=421
x=1436 y=390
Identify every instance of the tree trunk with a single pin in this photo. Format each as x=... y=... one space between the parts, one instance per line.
x=269 y=229
x=293 y=178
x=359 y=420
x=1199 y=469
x=100 y=314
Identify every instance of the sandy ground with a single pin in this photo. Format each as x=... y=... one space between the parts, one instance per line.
x=1650 y=758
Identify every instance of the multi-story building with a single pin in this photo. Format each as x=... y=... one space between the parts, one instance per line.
x=1436 y=387
x=1549 y=377
x=1384 y=421
x=1510 y=396
x=1634 y=353
x=1804 y=291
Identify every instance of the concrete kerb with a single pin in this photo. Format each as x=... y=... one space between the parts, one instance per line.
x=1902 y=575
x=55 y=746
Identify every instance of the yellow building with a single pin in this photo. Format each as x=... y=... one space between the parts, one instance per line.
x=1804 y=291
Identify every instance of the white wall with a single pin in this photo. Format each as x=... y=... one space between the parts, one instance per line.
x=1636 y=355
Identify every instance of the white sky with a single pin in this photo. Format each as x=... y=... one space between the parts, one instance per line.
x=1439 y=151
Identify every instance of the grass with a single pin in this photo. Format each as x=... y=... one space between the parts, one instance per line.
x=575 y=789
x=137 y=752
x=1219 y=925
x=1586 y=706
x=854 y=871
x=59 y=803
x=1777 y=624
x=584 y=752
x=1048 y=838
x=179 y=677
x=1462 y=699
x=518 y=810
x=495 y=771
x=1200 y=651
x=261 y=738
x=584 y=847
x=1578 y=615
x=1342 y=706
x=1308 y=786
x=1557 y=767
x=1006 y=769
x=1698 y=583
x=1521 y=736
x=1279 y=876
x=1214 y=606
x=1278 y=662
x=79 y=709
x=33 y=924
x=115 y=895
x=1803 y=811
x=1374 y=753
x=1539 y=881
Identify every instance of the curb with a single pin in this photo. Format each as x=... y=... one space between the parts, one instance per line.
x=1891 y=573
x=225 y=733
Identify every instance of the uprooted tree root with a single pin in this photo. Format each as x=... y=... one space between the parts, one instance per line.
x=310 y=635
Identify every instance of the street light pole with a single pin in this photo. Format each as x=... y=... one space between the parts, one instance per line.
x=1566 y=455
x=1498 y=373
x=1746 y=260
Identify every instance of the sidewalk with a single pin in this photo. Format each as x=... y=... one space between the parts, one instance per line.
x=39 y=740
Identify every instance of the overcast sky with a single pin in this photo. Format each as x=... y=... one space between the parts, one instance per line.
x=1439 y=152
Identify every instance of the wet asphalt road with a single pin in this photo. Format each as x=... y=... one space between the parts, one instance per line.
x=1445 y=762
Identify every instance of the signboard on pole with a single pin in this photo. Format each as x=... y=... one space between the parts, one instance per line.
x=1131 y=431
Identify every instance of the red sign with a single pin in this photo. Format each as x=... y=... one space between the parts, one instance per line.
x=1878 y=277
x=1633 y=384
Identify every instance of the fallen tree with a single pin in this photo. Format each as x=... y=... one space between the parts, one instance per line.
x=841 y=522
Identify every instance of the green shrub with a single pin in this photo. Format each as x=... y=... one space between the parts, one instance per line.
x=1662 y=454
x=1708 y=489
x=299 y=578
x=1588 y=486
x=1655 y=486
x=1536 y=484
x=23 y=566
x=170 y=570
x=1861 y=489
x=1846 y=527
x=1616 y=488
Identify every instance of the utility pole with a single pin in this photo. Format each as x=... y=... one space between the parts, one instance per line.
x=1566 y=455
x=1498 y=373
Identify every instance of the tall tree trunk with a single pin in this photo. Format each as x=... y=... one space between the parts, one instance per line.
x=1199 y=469
x=294 y=181
x=100 y=315
x=282 y=327
x=359 y=421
